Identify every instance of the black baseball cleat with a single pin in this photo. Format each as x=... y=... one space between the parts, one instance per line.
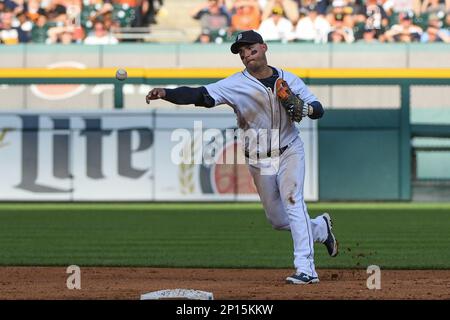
x=331 y=242
x=301 y=278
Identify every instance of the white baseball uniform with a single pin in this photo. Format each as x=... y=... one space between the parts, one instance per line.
x=281 y=191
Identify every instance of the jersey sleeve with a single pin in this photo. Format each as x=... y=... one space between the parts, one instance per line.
x=220 y=91
x=302 y=90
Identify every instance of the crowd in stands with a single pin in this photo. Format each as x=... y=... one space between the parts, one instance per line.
x=314 y=21
x=72 y=21
x=325 y=21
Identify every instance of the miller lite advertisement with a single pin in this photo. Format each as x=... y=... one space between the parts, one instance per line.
x=131 y=156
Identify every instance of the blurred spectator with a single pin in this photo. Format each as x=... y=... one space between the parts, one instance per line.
x=8 y=33
x=8 y=5
x=34 y=10
x=246 y=16
x=56 y=11
x=53 y=35
x=14 y=6
x=61 y=35
x=398 y=6
x=339 y=31
x=231 y=4
x=290 y=9
x=434 y=31
x=341 y=13
x=341 y=6
x=373 y=16
x=276 y=27
x=31 y=20
x=73 y=10
x=40 y=29
x=435 y=6
x=109 y=22
x=447 y=20
x=65 y=14
x=405 y=30
x=261 y=4
x=100 y=35
x=67 y=37
x=213 y=16
x=433 y=34
x=302 y=12
x=100 y=11
x=313 y=27
x=369 y=36
x=204 y=37
x=322 y=6
x=126 y=3
x=146 y=12
x=23 y=24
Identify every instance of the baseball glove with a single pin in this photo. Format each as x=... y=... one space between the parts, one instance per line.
x=295 y=107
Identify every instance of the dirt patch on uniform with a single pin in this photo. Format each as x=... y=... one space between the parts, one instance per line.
x=248 y=284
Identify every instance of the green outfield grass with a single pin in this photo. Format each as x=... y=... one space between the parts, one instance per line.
x=391 y=235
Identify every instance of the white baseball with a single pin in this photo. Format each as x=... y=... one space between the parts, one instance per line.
x=121 y=74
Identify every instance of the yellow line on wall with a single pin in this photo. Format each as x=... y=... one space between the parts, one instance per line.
x=67 y=73
x=202 y=73
x=377 y=73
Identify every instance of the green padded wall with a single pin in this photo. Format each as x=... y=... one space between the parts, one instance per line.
x=359 y=155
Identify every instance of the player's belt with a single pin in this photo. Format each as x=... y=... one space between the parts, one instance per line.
x=269 y=153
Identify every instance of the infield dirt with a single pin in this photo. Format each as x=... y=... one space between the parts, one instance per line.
x=107 y=283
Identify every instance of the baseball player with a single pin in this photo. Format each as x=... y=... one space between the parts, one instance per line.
x=268 y=98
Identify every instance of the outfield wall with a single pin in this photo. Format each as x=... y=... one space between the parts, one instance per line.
x=117 y=156
x=360 y=155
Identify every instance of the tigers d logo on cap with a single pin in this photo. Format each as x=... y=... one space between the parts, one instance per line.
x=246 y=37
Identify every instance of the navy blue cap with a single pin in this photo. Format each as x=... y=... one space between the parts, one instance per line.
x=246 y=37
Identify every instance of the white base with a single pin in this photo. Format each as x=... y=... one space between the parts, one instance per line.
x=183 y=294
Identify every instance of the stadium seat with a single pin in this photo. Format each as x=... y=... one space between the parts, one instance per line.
x=124 y=14
x=422 y=20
